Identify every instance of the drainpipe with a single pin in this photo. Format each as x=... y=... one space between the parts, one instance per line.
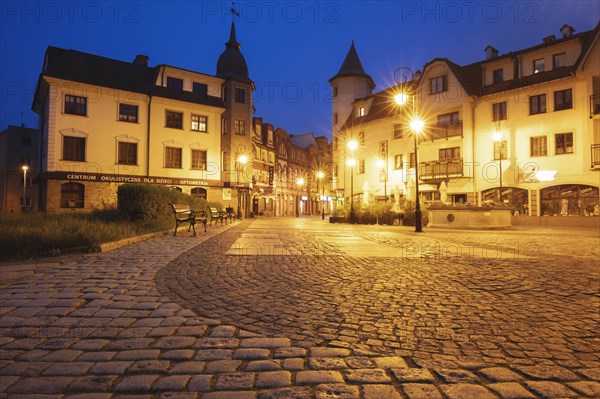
x=473 y=105
x=148 y=137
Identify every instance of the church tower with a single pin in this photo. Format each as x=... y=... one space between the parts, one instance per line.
x=236 y=124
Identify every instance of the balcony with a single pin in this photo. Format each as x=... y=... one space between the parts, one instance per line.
x=444 y=131
x=595 y=156
x=594 y=105
x=437 y=170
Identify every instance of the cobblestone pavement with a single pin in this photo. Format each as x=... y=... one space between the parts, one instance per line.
x=299 y=308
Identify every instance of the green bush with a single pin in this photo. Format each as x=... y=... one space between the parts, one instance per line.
x=148 y=202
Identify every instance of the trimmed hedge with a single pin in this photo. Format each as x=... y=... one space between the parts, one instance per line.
x=146 y=202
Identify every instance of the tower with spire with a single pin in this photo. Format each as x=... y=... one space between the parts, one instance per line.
x=236 y=137
x=349 y=84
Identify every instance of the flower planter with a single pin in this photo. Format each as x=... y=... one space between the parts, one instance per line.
x=482 y=217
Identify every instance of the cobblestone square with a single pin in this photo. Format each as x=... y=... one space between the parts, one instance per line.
x=319 y=311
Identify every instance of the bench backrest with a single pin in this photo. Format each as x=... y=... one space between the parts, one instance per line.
x=178 y=208
x=213 y=211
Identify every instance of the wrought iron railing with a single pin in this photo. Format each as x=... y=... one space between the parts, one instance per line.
x=440 y=169
x=594 y=105
x=443 y=131
x=595 y=155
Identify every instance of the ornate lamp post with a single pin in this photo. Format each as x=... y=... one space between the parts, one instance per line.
x=299 y=184
x=382 y=164
x=498 y=136
x=320 y=176
x=351 y=162
x=241 y=161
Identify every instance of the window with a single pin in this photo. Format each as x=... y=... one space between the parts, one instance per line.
x=27 y=141
x=499 y=111
x=200 y=90
x=174 y=85
x=26 y=202
x=411 y=162
x=173 y=157
x=72 y=195
x=361 y=138
x=559 y=60
x=398 y=131
x=500 y=150
x=448 y=119
x=127 y=153
x=335 y=118
x=563 y=143
x=174 y=119
x=75 y=105
x=199 y=159
x=539 y=65
x=335 y=93
x=361 y=166
x=360 y=111
x=538 y=145
x=563 y=99
x=199 y=192
x=239 y=126
x=537 y=104
x=73 y=148
x=200 y=123
x=128 y=113
x=498 y=75
x=240 y=95
x=398 y=162
x=224 y=127
x=439 y=84
x=449 y=154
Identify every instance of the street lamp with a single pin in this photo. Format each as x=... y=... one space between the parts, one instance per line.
x=320 y=176
x=25 y=168
x=498 y=136
x=299 y=184
x=240 y=163
x=381 y=164
x=351 y=162
x=417 y=124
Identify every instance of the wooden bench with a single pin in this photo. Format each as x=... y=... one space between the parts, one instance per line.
x=230 y=214
x=184 y=214
x=217 y=214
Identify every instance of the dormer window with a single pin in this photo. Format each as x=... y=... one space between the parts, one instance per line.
x=240 y=95
x=539 y=65
x=360 y=111
x=200 y=90
x=438 y=85
x=498 y=75
x=559 y=60
x=175 y=85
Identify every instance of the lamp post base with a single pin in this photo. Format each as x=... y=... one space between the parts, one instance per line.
x=418 y=223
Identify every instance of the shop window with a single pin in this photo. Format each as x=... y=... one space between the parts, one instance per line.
x=72 y=195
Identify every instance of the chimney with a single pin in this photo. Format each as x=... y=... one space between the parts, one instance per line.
x=549 y=39
x=141 y=59
x=567 y=31
x=490 y=53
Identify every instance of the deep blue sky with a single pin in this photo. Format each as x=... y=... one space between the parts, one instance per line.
x=292 y=48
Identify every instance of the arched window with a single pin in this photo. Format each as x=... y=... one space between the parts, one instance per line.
x=72 y=195
x=199 y=192
x=177 y=189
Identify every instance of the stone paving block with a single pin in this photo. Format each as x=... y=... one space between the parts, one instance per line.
x=234 y=381
x=93 y=395
x=90 y=344
x=223 y=332
x=92 y=383
x=293 y=364
x=367 y=376
x=25 y=368
x=593 y=373
x=251 y=353
x=65 y=355
x=273 y=379
x=462 y=391
x=311 y=377
x=178 y=395
x=136 y=383
x=161 y=332
x=544 y=372
x=230 y=395
x=70 y=368
x=222 y=366
x=171 y=383
x=389 y=362
x=511 y=390
x=191 y=367
x=380 y=391
x=550 y=389
x=499 y=374
x=287 y=393
x=114 y=367
x=129 y=344
x=453 y=376
x=267 y=342
x=178 y=354
x=174 y=342
x=201 y=383
x=337 y=391
x=423 y=391
x=40 y=385
x=329 y=352
x=192 y=331
x=326 y=363
x=149 y=367
x=289 y=352
x=359 y=362
x=213 y=354
x=263 y=365
x=7 y=380
x=413 y=375
x=138 y=354
x=217 y=343
x=588 y=388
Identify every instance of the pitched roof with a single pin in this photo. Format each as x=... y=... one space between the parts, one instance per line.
x=101 y=71
x=353 y=67
x=304 y=140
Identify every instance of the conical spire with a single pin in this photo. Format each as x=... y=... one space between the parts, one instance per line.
x=232 y=39
x=352 y=66
x=231 y=63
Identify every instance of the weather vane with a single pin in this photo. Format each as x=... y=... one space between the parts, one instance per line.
x=233 y=11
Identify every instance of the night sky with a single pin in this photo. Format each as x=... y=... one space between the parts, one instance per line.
x=292 y=48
